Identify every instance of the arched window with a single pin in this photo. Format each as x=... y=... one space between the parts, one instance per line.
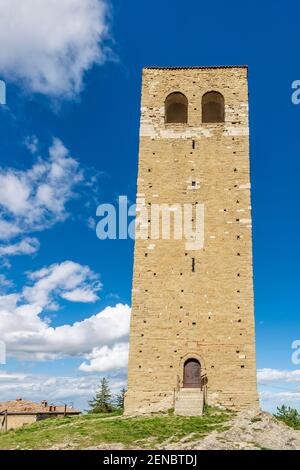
x=176 y=108
x=192 y=374
x=213 y=107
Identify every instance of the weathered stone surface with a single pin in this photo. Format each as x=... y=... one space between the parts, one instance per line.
x=207 y=314
x=249 y=430
x=189 y=402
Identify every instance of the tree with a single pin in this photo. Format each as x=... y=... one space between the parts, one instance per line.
x=289 y=416
x=102 y=402
x=120 y=398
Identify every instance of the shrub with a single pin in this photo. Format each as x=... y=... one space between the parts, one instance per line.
x=289 y=416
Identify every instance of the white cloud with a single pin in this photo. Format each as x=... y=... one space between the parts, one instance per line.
x=28 y=333
x=272 y=375
x=106 y=358
x=36 y=198
x=8 y=230
x=281 y=397
x=14 y=192
x=49 y=45
x=80 y=295
x=32 y=143
x=91 y=223
x=278 y=387
x=29 y=337
x=271 y=399
x=77 y=390
x=27 y=246
x=4 y=283
x=68 y=280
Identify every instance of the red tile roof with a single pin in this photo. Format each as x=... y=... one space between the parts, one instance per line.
x=25 y=406
x=200 y=67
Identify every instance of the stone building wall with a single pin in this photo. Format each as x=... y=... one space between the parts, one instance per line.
x=178 y=313
x=17 y=421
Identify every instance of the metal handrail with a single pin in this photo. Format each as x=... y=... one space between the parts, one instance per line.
x=4 y=421
x=178 y=383
x=204 y=386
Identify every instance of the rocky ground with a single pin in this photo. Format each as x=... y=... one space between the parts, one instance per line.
x=249 y=430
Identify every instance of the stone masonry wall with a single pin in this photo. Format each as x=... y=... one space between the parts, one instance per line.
x=206 y=314
x=17 y=421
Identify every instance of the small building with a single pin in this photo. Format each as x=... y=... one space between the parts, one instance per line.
x=17 y=413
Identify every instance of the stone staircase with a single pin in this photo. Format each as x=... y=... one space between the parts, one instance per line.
x=189 y=402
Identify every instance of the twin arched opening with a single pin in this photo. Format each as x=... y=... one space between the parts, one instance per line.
x=213 y=108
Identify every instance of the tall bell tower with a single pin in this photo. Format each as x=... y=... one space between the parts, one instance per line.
x=192 y=334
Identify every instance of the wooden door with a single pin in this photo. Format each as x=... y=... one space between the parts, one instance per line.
x=192 y=374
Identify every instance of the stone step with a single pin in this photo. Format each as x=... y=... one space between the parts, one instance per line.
x=189 y=402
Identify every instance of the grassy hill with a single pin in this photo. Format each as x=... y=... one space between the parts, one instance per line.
x=216 y=430
x=106 y=430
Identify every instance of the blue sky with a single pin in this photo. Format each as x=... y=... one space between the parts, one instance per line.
x=73 y=98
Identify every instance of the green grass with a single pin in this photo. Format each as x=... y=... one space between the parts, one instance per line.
x=92 y=430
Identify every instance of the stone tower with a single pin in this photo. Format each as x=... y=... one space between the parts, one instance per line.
x=192 y=329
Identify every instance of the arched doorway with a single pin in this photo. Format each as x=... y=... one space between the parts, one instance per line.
x=192 y=374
